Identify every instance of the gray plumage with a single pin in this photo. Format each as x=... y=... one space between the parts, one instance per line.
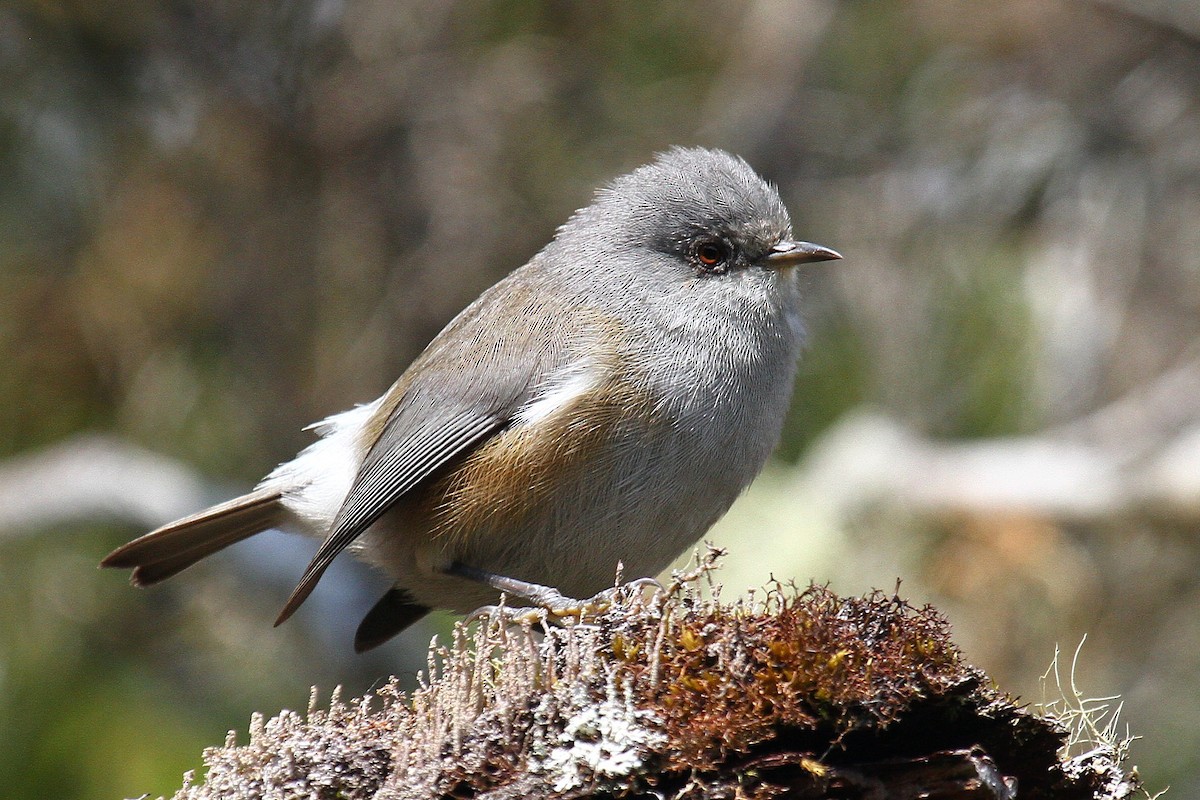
x=606 y=402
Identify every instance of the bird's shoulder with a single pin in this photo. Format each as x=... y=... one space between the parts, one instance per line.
x=518 y=340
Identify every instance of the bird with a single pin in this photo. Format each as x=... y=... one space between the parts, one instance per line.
x=605 y=403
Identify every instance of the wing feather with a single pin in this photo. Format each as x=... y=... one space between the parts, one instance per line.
x=388 y=473
x=455 y=395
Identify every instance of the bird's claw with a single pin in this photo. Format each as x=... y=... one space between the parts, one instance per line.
x=549 y=604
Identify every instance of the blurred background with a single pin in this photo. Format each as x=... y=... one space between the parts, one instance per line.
x=221 y=221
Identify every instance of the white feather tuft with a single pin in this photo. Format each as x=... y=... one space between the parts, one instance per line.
x=316 y=482
x=559 y=392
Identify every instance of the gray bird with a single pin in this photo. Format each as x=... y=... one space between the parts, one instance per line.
x=605 y=402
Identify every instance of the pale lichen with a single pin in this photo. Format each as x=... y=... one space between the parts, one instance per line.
x=603 y=741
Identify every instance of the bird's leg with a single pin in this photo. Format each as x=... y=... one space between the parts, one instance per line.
x=555 y=603
x=544 y=596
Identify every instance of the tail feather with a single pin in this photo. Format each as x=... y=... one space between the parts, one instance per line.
x=394 y=612
x=172 y=548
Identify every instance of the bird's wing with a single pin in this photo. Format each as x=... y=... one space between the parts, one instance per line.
x=407 y=452
x=451 y=400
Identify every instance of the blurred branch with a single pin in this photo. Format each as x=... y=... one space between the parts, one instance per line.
x=1145 y=419
x=93 y=477
x=1138 y=456
x=1180 y=16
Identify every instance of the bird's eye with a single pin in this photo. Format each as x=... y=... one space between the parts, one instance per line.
x=712 y=253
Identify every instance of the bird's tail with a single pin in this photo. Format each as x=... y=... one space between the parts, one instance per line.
x=162 y=553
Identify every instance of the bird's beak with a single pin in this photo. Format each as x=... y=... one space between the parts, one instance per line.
x=789 y=254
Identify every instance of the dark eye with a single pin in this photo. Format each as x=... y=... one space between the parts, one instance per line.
x=712 y=253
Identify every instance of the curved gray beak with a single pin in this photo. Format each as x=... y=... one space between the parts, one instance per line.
x=788 y=254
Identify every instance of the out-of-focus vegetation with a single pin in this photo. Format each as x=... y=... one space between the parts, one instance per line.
x=220 y=221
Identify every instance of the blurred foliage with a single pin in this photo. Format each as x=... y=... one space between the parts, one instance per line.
x=222 y=220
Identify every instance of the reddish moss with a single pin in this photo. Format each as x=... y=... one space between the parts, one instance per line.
x=729 y=678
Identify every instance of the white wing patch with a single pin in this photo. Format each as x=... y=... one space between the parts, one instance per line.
x=560 y=391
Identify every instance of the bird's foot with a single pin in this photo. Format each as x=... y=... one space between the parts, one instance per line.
x=549 y=603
